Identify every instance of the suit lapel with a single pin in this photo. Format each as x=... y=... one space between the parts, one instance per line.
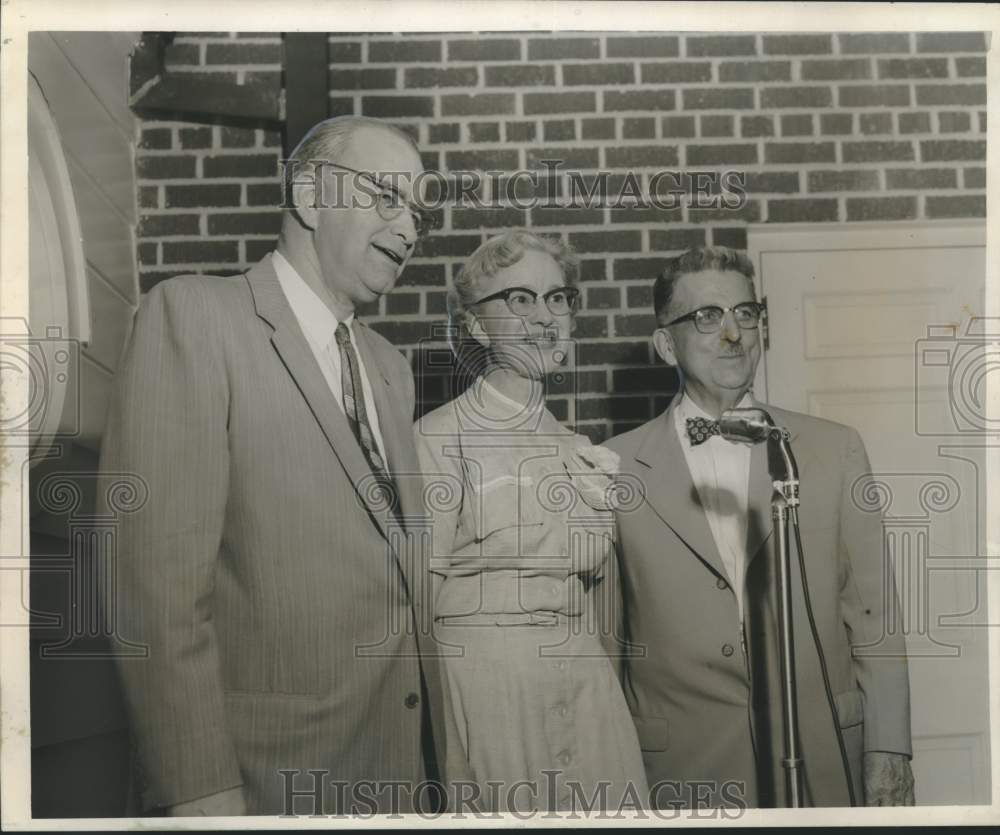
x=291 y=346
x=671 y=493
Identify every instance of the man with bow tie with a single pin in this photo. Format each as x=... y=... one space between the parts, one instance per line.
x=697 y=567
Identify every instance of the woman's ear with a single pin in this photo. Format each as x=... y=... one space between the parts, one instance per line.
x=663 y=342
x=475 y=329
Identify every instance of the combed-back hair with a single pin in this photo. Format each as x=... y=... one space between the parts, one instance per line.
x=697 y=260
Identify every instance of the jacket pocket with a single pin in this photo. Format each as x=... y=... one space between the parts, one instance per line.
x=652 y=732
x=850 y=707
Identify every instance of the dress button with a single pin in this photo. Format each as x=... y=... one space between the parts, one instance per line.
x=561 y=709
x=560 y=665
x=722 y=584
x=411 y=700
x=563 y=757
x=727 y=650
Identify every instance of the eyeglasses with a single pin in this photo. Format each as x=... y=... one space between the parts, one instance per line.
x=522 y=302
x=390 y=204
x=709 y=319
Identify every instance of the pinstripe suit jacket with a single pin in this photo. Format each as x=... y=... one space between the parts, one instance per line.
x=281 y=605
x=704 y=709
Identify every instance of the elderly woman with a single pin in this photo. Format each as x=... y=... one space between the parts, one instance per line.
x=522 y=533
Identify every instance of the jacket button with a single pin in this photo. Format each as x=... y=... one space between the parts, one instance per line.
x=411 y=700
x=727 y=650
x=722 y=584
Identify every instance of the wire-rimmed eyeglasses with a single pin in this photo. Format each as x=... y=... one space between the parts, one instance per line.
x=709 y=319
x=389 y=203
x=521 y=301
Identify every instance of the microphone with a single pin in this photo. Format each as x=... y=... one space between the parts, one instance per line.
x=745 y=426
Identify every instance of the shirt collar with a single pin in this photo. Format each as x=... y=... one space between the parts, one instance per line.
x=687 y=408
x=316 y=319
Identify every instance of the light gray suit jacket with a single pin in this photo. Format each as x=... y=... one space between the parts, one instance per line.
x=281 y=604
x=704 y=709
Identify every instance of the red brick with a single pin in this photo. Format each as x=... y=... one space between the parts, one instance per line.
x=437 y=303
x=642 y=47
x=946 y=150
x=716 y=125
x=798 y=44
x=598 y=128
x=345 y=52
x=500 y=159
x=641 y=156
x=877 y=151
x=157 y=139
x=488 y=218
x=873 y=42
x=642 y=379
x=639 y=128
x=914 y=122
x=603 y=298
x=805 y=210
x=243 y=165
x=443 y=133
x=149 y=197
x=549 y=103
x=182 y=54
x=874 y=123
x=974 y=178
x=708 y=46
x=231 y=137
x=863 y=180
x=676 y=72
x=836 y=124
x=957 y=121
x=951 y=42
x=639 y=296
x=597 y=75
x=363 y=79
x=730 y=154
x=195 y=252
x=622 y=408
x=484 y=132
x=966 y=205
x=930 y=95
x=423 y=275
x=590 y=327
x=881 y=208
x=195 y=138
x=522 y=131
x=913 y=68
x=520 y=75
x=457 y=246
x=243 y=53
x=620 y=240
x=677 y=126
x=394 y=107
x=909 y=179
x=541 y=49
x=755 y=71
x=754 y=126
x=772 y=97
x=164 y=167
x=566 y=216
x=750 y=212
x=571 y=157
x=884 y=95
x=797 y=124
x=970 y=67
x=484 y=49
x=647 y=214
x=735 y=238
x=402 y=304
x=638 y=100
x=405 y=49
x=148 y=253
x=672 y=240
x=635 y=269
x=196 y=196
x=613 y=353
x=245 y=223
x=341 y=106
x=778 y=182
x=836 y=69
x=718 y=98
x=403 y=333
x=158 y=226
x=797 y=152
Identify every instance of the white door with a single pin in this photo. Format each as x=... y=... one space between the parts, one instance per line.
x=880 y=326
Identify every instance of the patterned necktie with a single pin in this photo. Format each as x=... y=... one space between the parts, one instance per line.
x=357 y=414
x=700 y=429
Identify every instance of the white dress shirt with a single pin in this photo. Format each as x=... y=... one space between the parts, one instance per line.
x=319 y=324
x=720 y=471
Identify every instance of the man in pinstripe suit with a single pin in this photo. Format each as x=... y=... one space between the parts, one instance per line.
x=282 y=610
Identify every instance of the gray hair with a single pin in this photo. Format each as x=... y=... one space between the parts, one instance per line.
x=487 y=261
x=326 y=141
x=697 y=260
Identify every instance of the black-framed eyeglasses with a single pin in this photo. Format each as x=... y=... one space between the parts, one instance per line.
x=389 y=203
x=521 y=301
x=708 y=319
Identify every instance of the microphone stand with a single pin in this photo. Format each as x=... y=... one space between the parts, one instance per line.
x=784 y=503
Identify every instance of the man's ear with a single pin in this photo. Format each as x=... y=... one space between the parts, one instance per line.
x=304 y=200
x=663 y=342
x=475 y=329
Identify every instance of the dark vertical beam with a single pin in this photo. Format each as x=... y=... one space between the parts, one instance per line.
x=306 y=84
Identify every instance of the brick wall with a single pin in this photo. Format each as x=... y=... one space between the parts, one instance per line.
x=828 y=128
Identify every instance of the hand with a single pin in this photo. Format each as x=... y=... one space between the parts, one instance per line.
x=888 y=779
x=228 y=802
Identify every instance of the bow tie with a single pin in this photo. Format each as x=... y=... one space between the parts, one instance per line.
x=700 y=429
